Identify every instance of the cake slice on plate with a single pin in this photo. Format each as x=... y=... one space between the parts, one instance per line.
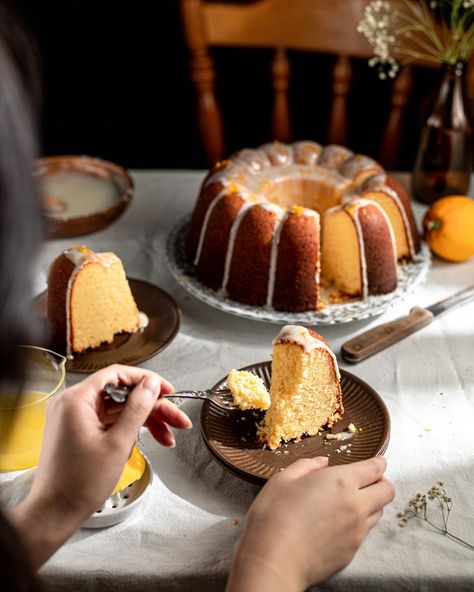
x=305 y=391
x=89 y=300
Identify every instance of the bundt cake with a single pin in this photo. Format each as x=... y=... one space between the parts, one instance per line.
x=254 y=235
x=358 y=248
x=305 y=392
x=89 y=300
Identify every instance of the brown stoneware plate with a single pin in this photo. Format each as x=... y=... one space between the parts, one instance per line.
x=231 y=436
x=163 y=324
x=80 y=194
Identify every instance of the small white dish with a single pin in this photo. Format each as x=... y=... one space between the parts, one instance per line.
x=121 y=505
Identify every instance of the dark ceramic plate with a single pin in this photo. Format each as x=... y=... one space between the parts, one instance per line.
x=81 y=194
x=164 y=320
x=231 y=437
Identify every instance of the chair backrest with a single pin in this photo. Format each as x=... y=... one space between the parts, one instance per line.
x=310 y=25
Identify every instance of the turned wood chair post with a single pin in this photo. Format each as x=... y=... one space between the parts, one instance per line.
x=281 y=125
x=203 y=76
x=389 y=148
x=341 y=83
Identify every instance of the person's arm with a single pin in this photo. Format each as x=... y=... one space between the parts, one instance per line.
x=307 y=523
x=84 y=450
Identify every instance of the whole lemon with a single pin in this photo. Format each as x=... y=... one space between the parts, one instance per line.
x=449 y=227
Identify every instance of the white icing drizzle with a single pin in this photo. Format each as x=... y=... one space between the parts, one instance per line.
x=274 y=256
x=281 y=219
x=363 y=261
x=390 y=228
x=406 y=223
x=230 y=245
x=278 y=153
x=306 y=152
x=353 y=210
x=301 y=336
x=205 y=222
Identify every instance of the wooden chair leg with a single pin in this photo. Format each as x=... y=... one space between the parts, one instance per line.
x=203 y=76
x=391 y=140
x=281 y=125
x=341 y=81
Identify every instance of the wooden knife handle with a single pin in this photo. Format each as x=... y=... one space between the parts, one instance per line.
x=372 y=341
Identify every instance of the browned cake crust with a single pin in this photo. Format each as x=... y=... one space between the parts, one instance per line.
x=405 y=199
x=194 y=230
x=340 y=407
x=249 y=270
x=58 y=279
x=379 y=250
x=296 y=288
x=211 y=263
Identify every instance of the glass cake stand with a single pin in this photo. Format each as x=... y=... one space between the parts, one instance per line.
x=410 y=277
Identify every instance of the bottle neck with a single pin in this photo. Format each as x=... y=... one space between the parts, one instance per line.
x=450 y=109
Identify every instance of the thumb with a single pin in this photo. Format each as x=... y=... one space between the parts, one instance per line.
x=139 y=405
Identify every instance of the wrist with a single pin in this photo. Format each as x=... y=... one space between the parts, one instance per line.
x=43 y=526
x=268 y=569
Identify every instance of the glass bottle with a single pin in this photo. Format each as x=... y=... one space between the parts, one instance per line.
x=444 y=161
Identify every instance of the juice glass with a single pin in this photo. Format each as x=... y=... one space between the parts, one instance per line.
x=23 y=407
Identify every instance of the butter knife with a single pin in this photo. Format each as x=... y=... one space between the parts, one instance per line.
x=371 y=342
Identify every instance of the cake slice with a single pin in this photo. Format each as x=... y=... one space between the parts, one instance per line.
x=248 y=390
x=89 y=300
x=305 y=391
x=358 y=249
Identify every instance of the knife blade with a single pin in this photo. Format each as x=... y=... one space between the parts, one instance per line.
x=374 y=340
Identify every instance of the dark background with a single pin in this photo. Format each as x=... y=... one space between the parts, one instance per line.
x=116 y=86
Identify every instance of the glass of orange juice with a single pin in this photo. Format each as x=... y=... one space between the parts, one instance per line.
x=23 y=407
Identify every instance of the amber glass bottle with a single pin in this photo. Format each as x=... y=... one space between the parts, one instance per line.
x=444 y=161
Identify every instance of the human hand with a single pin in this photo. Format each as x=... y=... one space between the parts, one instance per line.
x=85 y=447
x=307 y=523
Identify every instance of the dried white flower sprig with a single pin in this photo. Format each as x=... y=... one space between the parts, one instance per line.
x=436 y=31
x=418 y=508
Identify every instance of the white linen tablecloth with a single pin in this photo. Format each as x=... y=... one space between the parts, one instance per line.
x=184 y=536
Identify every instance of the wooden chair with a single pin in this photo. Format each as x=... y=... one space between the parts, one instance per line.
x=324 y=26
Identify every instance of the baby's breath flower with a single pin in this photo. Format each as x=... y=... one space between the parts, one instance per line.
x=407 y=34
x=418 y=508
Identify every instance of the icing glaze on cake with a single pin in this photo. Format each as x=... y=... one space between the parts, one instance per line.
x=255 y=231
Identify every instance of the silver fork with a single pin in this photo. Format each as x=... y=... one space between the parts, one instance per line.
x=220 y=397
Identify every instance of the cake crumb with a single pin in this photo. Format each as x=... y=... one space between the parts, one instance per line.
x=236 y=522
x=333 y=436
x=351 y=428
x=243 y=439
x=286 y=452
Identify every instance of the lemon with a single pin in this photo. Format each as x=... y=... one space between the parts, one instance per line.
x=132 y=471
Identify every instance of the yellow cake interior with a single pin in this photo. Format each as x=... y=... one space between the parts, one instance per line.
x=101 y=304
x=393 y=213
x=304 y=393
x=340 y=254
x=248 y=390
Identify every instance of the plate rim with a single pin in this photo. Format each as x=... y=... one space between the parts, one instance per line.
x=70 y=363
x=381 y=303
x=256 y=480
